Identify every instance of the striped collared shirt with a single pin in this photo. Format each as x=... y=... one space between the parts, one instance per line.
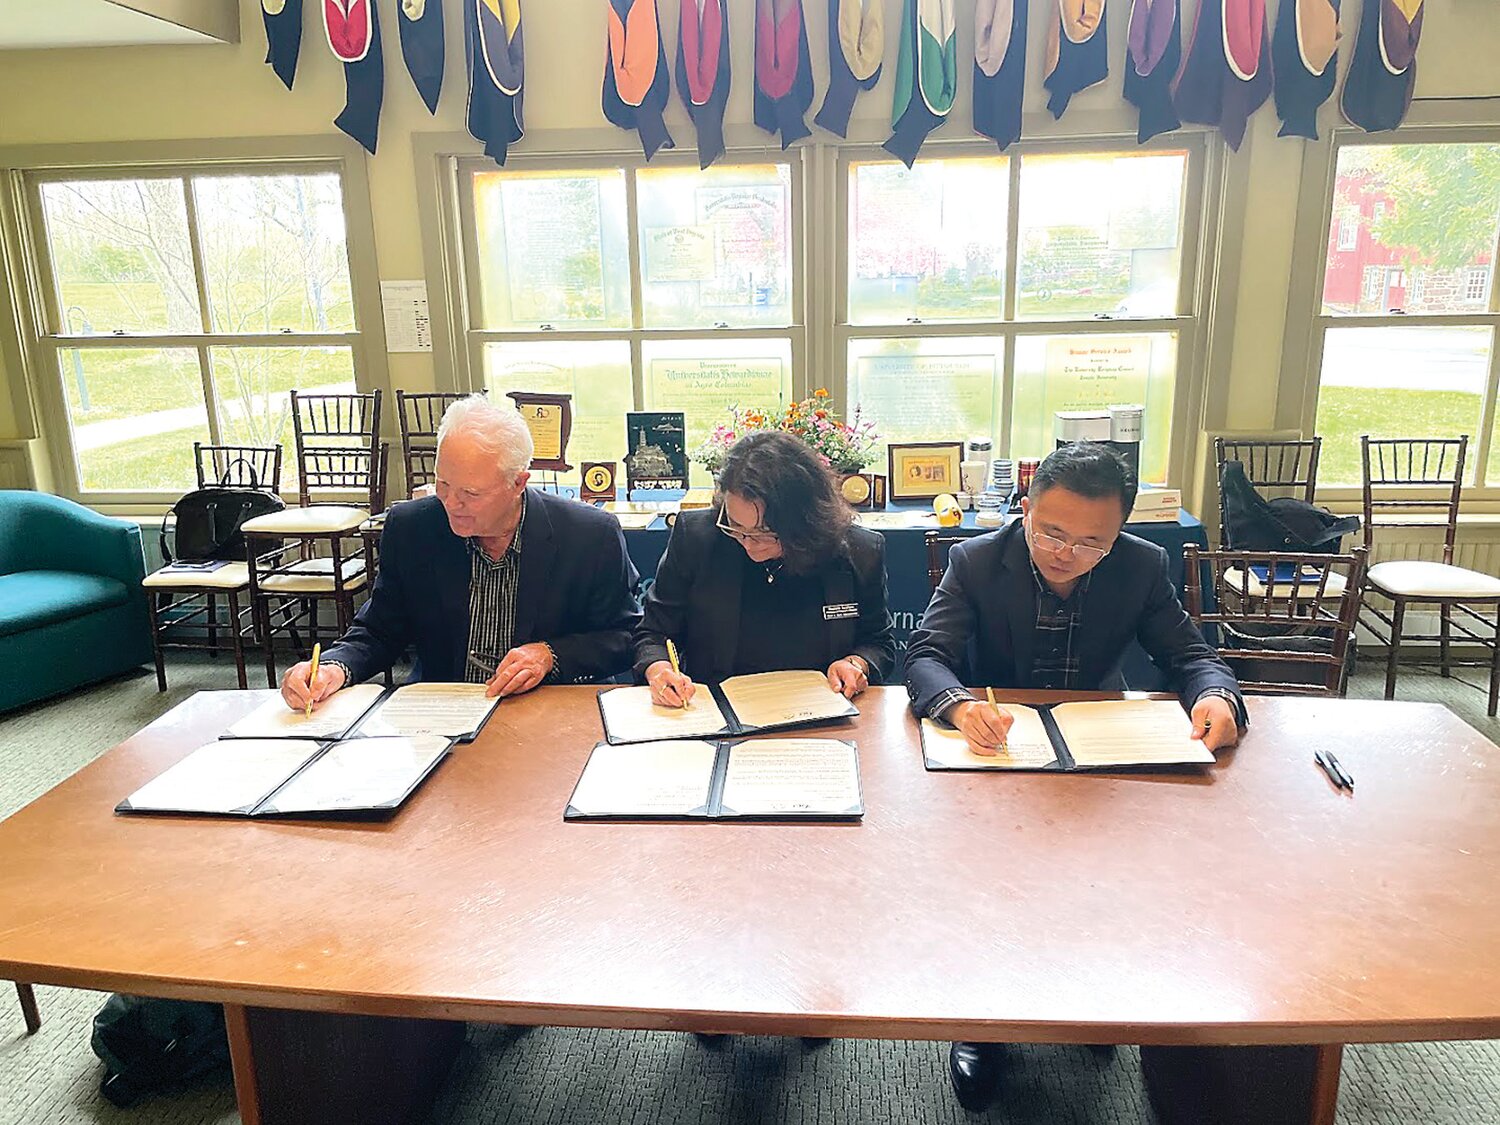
x=492 y=603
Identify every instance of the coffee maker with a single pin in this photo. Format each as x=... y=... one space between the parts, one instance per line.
x=1118 y=427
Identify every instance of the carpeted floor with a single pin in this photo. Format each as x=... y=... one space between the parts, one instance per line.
x=512 y=1075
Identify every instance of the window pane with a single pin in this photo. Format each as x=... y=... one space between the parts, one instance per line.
x=1413 y=228
x=1100 y=234
x=926 y=390
x=121 y=255
x=1397 y=382
x=1094 y=372
x=135 y=413
x=715 y=246
x=552 y=249
x=595 y=373
x=252 y=386
x=704 y=378
x=929 y=242
x=273 y=252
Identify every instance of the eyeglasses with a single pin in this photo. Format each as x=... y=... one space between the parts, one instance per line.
x=1053 y=546
x=758 y=535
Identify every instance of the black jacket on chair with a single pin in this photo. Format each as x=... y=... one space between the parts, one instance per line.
x=980 y=627
x=576 y=591
x=696 y=601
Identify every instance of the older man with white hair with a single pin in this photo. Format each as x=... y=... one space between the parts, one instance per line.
x=490 y=581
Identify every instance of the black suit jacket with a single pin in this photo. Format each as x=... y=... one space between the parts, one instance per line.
x=980 y=627
x=576 y=591
x=695 y=600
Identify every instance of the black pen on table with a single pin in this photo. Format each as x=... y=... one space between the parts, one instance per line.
x=1336 y=773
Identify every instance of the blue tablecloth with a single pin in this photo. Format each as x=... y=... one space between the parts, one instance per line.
x=906 y=566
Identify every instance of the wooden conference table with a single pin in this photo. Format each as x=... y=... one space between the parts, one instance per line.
x=1249 y=903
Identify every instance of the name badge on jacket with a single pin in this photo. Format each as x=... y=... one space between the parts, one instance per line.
x=841 y=611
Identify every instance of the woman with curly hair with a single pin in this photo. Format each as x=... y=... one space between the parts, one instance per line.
x=775 y=576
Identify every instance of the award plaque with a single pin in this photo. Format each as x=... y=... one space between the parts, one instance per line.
x=657 y=457
x=863 y=490
x=550 y=420
x=598 y=482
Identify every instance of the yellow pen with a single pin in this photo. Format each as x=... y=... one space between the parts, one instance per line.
x=989 y=693
x=676 y=667
x=312 y=678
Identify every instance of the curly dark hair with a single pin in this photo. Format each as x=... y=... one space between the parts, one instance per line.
x=798 y=491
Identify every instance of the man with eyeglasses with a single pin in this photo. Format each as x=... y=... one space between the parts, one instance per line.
x=1053 y=601
x=490 y=581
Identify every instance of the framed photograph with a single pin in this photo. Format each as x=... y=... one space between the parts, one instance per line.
x=923 y=470
x=550 y=420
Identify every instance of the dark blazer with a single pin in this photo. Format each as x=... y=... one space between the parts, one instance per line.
x=980 y=626
x=696 y=601
x=576 y=591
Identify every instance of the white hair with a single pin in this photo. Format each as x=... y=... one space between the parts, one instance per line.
x=498 y=430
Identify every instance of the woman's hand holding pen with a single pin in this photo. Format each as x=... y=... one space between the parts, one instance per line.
x=848 y=676
x=669 y=688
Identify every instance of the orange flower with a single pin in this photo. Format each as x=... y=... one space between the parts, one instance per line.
x=821 y=392
x=821 y=413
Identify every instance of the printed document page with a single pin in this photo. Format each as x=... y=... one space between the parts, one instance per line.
x=361 y=773
x=1027 y=746
x=630 y=716
x=774 y=699
x=449 y=710
x=1129 y=732
x=647 y=779
x=329 y=719
x=802 y=776
x=227 y=776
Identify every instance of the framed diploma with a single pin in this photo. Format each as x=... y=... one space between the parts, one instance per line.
x=923 y=470
x=598 y=482
x=549 y=417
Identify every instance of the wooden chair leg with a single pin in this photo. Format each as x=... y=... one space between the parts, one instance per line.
x=156 y=651
x=1445 y=629
x=262 y=616
x=29 y=1011
x=1398 y=614
x=237 y=638
x=211 y=619
x=1495 y=666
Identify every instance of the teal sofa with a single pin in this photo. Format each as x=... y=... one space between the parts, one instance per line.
x=72 y=609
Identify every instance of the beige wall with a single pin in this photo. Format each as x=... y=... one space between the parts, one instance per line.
x=120 y=94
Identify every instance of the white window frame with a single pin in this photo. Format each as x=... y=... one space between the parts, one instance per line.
x=466 y=281
x=1307 y=324
x=1348 y=231
x=1185 y=322
x=25 y=171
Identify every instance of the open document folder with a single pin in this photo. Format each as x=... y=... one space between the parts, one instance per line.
x=772 y=778
x=739 y=705
x=1096 y=735
x=449 y=710
x=268 y=777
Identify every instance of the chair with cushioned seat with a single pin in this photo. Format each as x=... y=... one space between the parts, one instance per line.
x=1273 y=468
x=315 y=553
x=1415 y=469
x=72 y=609
x=178 y=598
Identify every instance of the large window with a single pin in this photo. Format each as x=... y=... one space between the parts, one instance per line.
x=182 y=306
x=633 y=288
x=984 y=293
x=1405 y=333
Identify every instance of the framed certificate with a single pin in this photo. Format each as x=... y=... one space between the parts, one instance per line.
x=923 y=470
x=549 y=417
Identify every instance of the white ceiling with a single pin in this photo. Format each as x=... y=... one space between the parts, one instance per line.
x=85 y=23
